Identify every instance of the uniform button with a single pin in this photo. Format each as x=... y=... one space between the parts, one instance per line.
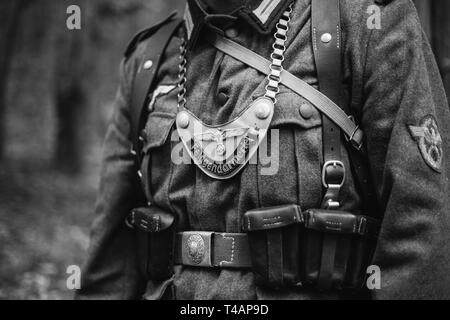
x=222 y=98
x=231 y=33
x=306 y=111
x=148 y=64
x=263 y=109
x=183 y=120
x=326 y=37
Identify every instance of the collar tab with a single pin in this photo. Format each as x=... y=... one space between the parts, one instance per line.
x=261 y=15
x=196 y=18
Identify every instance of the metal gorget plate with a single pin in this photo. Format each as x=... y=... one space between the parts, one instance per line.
x=222 y=151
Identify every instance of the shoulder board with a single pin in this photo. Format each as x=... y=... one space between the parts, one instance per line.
x=383 y=2
x=145 y=34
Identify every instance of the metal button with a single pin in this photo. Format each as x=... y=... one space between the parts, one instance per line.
x=326 y=37
x=183 y=120
x=231 y=33
x=263 y=109
x=222 y=98
x=306 y=111
x=148 y=64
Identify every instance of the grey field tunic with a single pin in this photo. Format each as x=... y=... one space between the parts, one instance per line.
x=391 y=82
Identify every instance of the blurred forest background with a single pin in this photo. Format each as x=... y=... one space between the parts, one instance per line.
x=56 y=91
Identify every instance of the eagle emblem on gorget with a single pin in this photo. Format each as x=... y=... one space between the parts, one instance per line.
x=219 y=138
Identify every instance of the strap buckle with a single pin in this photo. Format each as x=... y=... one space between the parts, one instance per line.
x=333 y=174
x=196 y=248
x=357 y=144
x=333 y=178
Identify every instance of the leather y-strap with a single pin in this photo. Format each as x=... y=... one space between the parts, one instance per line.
x=145 y=77
x=326 y=38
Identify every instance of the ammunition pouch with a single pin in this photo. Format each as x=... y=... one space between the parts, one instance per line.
x=155 y=235
x=336 y=248
x=318 y=248
x=274 y=244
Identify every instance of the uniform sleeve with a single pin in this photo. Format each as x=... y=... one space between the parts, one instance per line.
x=110 y=271
x=406 y=120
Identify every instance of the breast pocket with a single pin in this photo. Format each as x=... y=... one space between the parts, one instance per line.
x=156 y=164
x=157 y=130
x=289 y=163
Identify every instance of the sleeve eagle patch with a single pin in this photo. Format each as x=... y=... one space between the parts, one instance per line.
x=429 y=141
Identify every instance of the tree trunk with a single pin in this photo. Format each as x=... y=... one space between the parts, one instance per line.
x=425 y=14
x=9 y=20
x=435 y=22
x=441 y=38
x=70 y=93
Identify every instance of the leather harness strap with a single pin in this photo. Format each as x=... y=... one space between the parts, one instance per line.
x=318 y=99
x=145 y=78
x=142 y=85
x=326 y=38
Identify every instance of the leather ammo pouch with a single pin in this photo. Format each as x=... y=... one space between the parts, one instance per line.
x=274 y=235
x=318 y=248
x=336 y=248
x=155 y=232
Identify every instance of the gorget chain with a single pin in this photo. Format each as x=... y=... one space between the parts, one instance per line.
x=276 y=67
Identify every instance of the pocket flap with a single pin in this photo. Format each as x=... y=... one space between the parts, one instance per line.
x=272 y=218
x=157 y=129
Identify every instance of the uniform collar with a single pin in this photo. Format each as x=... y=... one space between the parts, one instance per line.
x=261 y=15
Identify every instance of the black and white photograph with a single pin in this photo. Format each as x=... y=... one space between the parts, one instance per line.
x=237 y=150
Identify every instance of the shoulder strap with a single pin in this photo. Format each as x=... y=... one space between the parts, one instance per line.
x=146 y=74
x=326 y=25
x=326 y=38
x=145 y=34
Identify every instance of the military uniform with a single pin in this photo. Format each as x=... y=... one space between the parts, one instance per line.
x=392 y=87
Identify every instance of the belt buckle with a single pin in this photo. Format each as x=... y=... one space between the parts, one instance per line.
x=196 y=248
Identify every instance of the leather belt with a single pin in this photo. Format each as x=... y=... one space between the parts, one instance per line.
x=211 y=249
x=231 y=250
